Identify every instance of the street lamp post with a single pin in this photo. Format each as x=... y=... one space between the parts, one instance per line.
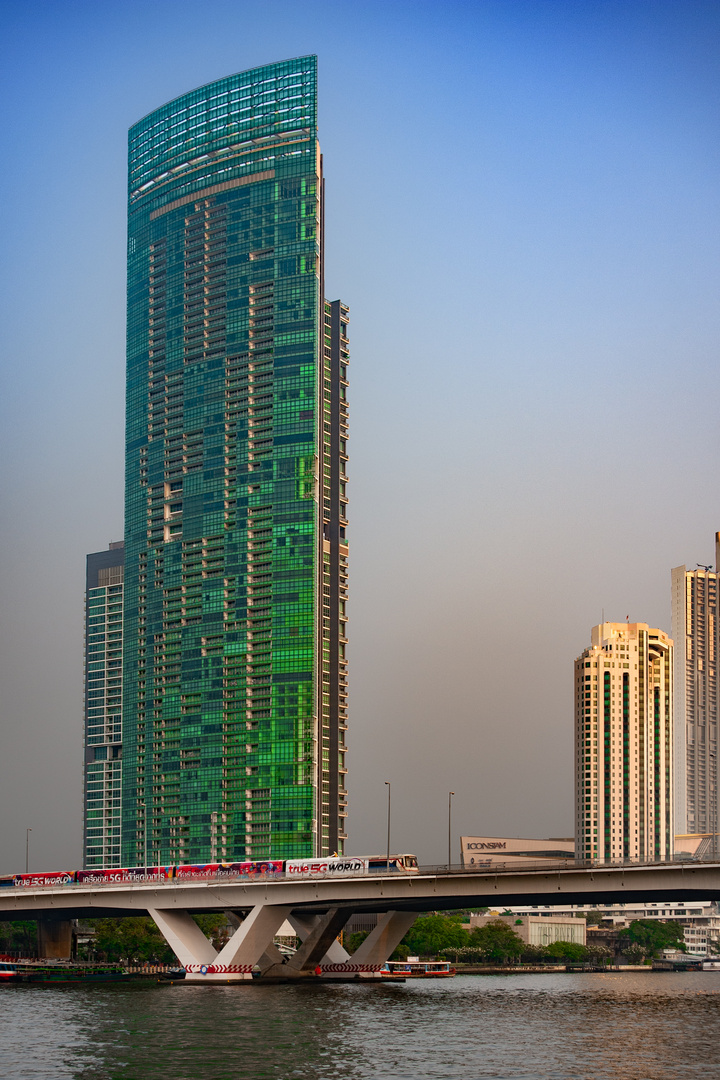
x=27 y=850
x=450 y=795
x=387 y=784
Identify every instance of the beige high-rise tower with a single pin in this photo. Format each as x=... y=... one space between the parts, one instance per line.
x=624 y=744
x=695 y=629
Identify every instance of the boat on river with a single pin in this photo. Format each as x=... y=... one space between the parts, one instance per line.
x=414 y=968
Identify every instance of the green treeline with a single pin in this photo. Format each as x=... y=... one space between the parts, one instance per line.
x=131 y=940
x=497 y=943
x=138 y=940
x=18 y=937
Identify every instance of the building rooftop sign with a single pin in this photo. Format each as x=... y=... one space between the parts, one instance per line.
x=484 y=851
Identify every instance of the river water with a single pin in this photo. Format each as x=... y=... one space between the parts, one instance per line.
x=633 y=1026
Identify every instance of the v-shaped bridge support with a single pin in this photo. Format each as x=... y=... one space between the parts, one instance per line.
x=252 y=945
x=235 y=960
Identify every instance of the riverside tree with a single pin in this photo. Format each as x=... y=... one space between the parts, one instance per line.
x=432 y=934
x=648 y=937
x=19 y=937
x=497 y=942
x=572 y=952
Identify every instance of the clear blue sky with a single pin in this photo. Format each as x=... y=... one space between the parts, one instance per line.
x=523 y=216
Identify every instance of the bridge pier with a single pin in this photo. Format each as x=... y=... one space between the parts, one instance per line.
x=252 y=945
x=335 y=962
x=55 y=939
x=381 y=942
x=184 y=937
x=335 y=954
x=235 y=961
x=319 y=946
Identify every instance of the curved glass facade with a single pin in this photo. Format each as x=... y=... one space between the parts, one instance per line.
x=234 y=702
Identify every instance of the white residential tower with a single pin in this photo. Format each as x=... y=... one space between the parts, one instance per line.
x=623 y=744
x=695 y=627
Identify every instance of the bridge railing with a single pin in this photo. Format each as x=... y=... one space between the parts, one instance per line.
x=509 y=866
x=210 y=879
x=523 y=863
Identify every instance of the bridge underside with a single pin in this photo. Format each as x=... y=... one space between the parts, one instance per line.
x=419 y=905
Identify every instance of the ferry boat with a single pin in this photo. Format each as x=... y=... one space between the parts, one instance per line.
x=414 y=968
x=26 y=971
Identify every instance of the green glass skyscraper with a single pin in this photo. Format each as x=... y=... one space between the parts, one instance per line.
x=235 y=676
x=103 y=707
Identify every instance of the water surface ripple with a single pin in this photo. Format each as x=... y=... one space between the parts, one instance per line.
x=645 y=1026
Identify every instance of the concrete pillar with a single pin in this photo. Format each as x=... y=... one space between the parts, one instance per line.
x=272 y=954
x=319 y=940
x=380 y=943
x=318 y=945
x=303 y=926
x=184 y=937
x=270 y=958
x=55 y=939
x=252 y=939
x=251 y=943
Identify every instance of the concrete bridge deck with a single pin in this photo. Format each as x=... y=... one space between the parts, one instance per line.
x=424 y=891
x=319 y=907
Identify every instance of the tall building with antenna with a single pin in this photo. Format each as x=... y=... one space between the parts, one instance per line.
x=236 y=546
x=695 y=629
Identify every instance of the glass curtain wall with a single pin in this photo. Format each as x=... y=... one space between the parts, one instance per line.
x=223 y=674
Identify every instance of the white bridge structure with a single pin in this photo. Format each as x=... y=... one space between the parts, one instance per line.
x=319 y=907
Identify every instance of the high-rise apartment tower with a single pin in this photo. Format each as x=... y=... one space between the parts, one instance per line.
x=623 y=744
x=696 y=630
x=103 y=705
x=235 y=692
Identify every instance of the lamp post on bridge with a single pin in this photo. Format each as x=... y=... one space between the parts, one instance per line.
x=27 y=850
x=387 y=784
x=450 y=796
